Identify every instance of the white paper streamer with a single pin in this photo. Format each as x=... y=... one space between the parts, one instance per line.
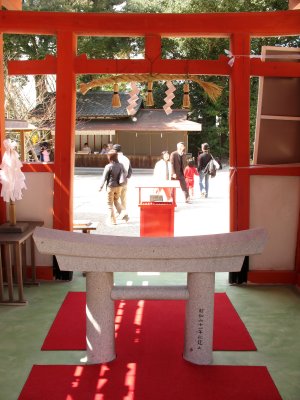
x=169 y=97
x=232 y=57
x=11 y=176
x=132 y=101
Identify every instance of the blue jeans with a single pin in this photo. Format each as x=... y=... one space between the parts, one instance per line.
x=205 y=186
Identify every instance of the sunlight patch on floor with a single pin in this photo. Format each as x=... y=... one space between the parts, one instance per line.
x=148 y=273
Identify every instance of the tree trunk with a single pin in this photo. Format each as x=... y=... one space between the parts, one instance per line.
x=40 y=87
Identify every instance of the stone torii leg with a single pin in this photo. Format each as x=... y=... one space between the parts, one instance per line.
x=100 y=318
x=199 y=316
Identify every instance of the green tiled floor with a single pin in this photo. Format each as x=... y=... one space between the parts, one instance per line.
x=271 y=314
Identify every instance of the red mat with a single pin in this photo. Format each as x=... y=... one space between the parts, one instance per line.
x=150 y=379
x=141 y=321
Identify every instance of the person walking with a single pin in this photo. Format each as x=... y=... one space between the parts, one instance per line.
x=178 y=164
x=114 y=173
x=189 y=173
x=203 y=160
x=162 y=171
x=128 y=170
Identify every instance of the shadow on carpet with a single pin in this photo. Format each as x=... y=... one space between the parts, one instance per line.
x=141 y=321
x=164 y=378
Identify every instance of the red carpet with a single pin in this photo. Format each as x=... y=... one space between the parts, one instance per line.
x=149 y=379
x=142 y=321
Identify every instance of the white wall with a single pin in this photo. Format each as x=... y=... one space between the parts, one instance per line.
x=37 y=205
x=274 y=204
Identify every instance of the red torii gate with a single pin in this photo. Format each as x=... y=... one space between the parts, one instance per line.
x=238 y=27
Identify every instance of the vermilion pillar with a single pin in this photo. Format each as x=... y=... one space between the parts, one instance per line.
x=2 y=123
x=239 y=121
x=65 y=131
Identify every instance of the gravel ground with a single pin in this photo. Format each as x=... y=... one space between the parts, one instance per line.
x=202 y=216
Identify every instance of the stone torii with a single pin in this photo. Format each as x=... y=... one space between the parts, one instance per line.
x=102 y=255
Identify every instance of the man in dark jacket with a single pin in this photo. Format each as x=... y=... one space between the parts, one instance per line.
x=178 y=164
x=126 y=162
x=111 y=177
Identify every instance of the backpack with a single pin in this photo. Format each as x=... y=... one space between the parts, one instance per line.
x=211 y=169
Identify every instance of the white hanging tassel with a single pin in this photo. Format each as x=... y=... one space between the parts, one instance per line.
x=230 y=56
x=169 y=97
x=132 y=101
x=11 y=176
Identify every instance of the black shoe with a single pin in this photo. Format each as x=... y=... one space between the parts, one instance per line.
x=125 y=218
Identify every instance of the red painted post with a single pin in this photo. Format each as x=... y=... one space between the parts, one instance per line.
x=152 y=50
x=239 y=123
x=2 y=123
x=65 y=131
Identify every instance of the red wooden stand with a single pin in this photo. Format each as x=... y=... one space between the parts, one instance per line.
x=157 y=219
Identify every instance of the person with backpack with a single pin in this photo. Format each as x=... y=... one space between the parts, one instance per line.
x=203 y=168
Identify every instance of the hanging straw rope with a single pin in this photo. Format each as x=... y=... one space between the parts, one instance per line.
x=149 y=99
x=211 y=89
x=116 y=102
x=186 y=97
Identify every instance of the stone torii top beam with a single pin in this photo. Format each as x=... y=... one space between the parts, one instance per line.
x=102 y=255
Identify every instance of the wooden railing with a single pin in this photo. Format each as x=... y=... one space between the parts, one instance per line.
x=100 y=160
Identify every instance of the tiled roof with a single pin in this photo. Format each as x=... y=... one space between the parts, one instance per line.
x=94 y=104
x=97 y=104
x=146 y=120
x=94 y=113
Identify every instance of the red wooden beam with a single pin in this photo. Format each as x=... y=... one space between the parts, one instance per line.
x=32 y=67
x=38 y=167
x=276 y=170
x=83 y=65
x=280 y=23
x=192 y=67
x=272 y=276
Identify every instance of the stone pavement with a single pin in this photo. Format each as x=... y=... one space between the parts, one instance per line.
x=202 y=216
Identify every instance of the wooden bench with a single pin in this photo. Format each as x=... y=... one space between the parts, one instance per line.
x=84 y=226
x=101 y=255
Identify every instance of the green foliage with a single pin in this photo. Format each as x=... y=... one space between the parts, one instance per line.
x=71 y=5
x=156 y=6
